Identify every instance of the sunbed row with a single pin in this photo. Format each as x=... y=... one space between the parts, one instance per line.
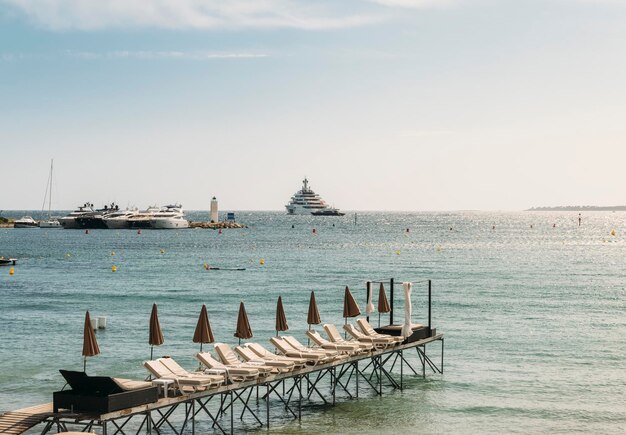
x=252 y=361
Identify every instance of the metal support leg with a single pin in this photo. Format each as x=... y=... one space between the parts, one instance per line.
x=356 y=366
x=232 y=415
x=267 y=405
x=401 y=370
x=193 y=417
x=442 y=355
x=334 y=382
x=148 y=423
x=299 y=381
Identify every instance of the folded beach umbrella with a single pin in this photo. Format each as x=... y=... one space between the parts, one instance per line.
x=313 y=317
x=156 y=336
x=383 y=304
x=406 y=327
x=203 y=332
x=281 y=319
x=243 y=325
x=350 y=308
x=90 y=344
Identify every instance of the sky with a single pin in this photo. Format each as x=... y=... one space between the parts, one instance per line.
x=383 y=104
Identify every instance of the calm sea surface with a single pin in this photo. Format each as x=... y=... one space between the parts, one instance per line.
x=534 y=318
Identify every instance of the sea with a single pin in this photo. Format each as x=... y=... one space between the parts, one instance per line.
x=532 y=306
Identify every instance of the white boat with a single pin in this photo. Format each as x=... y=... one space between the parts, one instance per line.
x=143 y=218
x=26 y=222
x=306 y=202
x=50 y=222
x=69 y=221
x=118 y=220
x=170 y=217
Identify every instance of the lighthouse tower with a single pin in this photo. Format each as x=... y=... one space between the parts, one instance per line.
x=214 y=210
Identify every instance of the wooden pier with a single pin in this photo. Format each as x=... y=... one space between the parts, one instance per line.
x=17 y=422
x=213 y=410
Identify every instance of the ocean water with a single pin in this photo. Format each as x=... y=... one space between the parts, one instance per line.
x=534 y=317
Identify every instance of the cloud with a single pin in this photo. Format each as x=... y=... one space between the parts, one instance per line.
x=150 y=55
x=188 y=14
x=415 y=4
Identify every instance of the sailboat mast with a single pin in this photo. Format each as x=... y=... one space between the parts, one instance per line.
x=50 y=197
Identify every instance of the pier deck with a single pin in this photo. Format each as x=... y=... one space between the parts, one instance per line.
x=324 y=382
x=19 y=421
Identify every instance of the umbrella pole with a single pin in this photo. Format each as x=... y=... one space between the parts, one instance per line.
x=151 y=351
x=345 y=333
x=379 y=319
x=85 y=364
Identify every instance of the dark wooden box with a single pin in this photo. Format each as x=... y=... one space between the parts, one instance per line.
x=99 y=394
x=77 y=401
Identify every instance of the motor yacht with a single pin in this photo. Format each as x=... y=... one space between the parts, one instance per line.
x=95 y=220
x=118 y=220
x=143 y=218
x=69 y=221
x=26 y=222
x=170 y=217
x=306 y=202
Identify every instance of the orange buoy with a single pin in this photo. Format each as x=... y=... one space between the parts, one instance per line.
x=11 y=271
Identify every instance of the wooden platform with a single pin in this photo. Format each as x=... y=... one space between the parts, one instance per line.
x=17 y=422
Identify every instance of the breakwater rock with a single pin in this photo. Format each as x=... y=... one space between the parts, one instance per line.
x=216 y=225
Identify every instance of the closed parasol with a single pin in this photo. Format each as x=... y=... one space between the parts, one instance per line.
x=314 y=315
x=281 y=319
x=243 y=325
x=156 y=336
x=383 y=304
x=203 y=333
x=90 y=344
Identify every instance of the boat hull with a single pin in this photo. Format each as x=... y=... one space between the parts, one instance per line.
x=91 y=222
x=50 y=224
x=69 y=223
x=116 y=224
x=169 y=224
x=25 y=225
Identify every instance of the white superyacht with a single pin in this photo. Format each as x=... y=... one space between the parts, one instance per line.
x=307 y=202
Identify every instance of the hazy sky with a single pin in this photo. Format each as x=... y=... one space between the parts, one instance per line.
x=382 y=104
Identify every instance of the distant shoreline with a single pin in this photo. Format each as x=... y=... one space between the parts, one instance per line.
x=580 y=208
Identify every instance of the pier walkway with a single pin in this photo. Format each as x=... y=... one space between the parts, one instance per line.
x=213 y=410
x=17 y=422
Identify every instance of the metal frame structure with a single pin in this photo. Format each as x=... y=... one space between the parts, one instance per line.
x=182 y=414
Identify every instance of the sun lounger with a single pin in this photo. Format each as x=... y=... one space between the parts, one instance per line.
x=159 y=371
x=379 y=343
x=229 y=358
x=348 y=348
x=367 y=329
x=234 y=374
x=249 y=356
x=261 y=352
x=313 y=358
x=335 y=337
x=177 y=370
x=293 y=342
